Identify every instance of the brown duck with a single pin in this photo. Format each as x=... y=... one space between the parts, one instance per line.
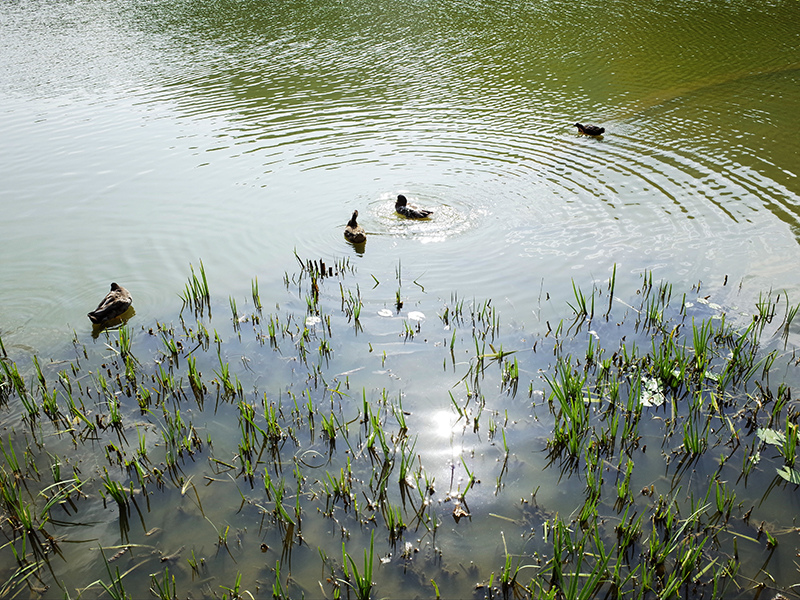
x=592 y=130
x=354 y=233
x=116 y=302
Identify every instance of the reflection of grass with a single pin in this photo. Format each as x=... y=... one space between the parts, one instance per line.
x=305 y=440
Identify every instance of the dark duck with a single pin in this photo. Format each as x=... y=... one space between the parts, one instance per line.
x=116 y=302
x=407 y=210
x=592 y=130
x=354 y=233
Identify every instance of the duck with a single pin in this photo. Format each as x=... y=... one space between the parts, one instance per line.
x=410 y=211
x=592 y=130
x=354 y=233
x=116 y=302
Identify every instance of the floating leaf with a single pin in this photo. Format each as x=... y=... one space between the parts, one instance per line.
x=790 y=475
x=771 y=436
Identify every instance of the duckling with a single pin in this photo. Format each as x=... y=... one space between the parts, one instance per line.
x=354 y=233
x=410 y=211
x=592 y=130
x=113 y=305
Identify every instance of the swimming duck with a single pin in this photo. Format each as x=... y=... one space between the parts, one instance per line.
x=410 y=211
x=354 y=233
x=116 y=302
x=592 y=130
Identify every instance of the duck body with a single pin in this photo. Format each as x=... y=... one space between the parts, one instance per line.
x=354 y=233
x=116 y=302
x=592 y=130
x=407 y=210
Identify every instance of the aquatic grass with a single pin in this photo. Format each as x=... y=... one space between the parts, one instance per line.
x=125 y=351
x=789 y=446
x=724 y=500
x=572 y=416
x=255 y=295
x=393 y=519
x=20 y=511
x=169 y=342
x=660 y=551
x=339 y=488
x=277 y=588
x=162 y=589
x=509 y=572
x=77 y=414
x=19 y=578
x=116 y=492
x=230 y=383
x=399 y=414
x=582 y=308
x=695 y=439
x=624 y=495
x=194 y=564
x=701 y=338
x=196 y=294
x=276 y=492
x=18 y=383
x=39 y=375
x=575 y=584
x=351 y=304
x=629 y=530
x=671 y=363
x=656 y=305
x=688 y=557
x=612 y=283
x=470 y=481
x=510 y=377
x=788 y=319
x=235 y=318
x=235 y=593
x=195 y=381
x=114 y=588
x=50 y=405
x=114 y=412
x=765 y=311
x=359 y=582
x=592 y=405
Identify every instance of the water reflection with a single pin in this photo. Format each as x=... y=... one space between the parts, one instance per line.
x=443 y=425
x=115 y=323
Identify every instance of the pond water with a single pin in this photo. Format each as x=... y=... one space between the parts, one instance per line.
x=140 y=138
